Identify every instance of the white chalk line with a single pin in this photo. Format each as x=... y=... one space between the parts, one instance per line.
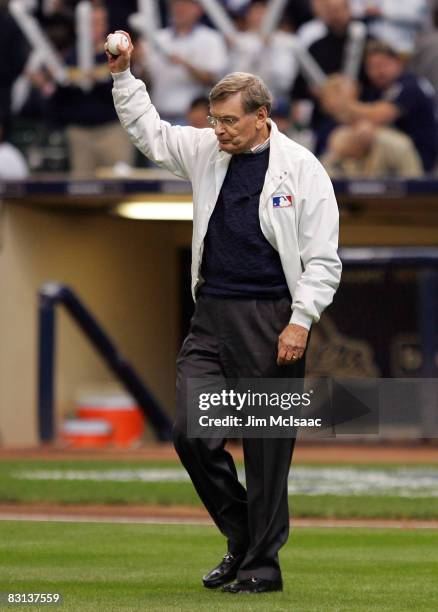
x=304 y=480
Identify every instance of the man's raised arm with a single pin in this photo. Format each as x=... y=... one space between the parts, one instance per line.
x=172 y=147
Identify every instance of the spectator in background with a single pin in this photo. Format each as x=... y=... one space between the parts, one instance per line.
x=329 y=53
x=284 y=119
x=281 y=114
x=196 y=58
x=118 y=13
x=328 y=50
x=395 y=97
x=94 y=134
x=13 y=165
x=395 y=22
x=316 y=28
x=138 y=58
x=298 y=12
x=14 y=52
x=273 y=60
x=31 y=98
x=198 y=113
x=364 y=150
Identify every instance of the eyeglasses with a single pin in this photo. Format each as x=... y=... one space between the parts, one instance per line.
x=225 y=121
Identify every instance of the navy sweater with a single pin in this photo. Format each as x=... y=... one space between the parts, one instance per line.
x=238 y=261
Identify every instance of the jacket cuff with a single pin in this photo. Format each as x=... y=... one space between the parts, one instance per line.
x=300 y=318
x=122 y=79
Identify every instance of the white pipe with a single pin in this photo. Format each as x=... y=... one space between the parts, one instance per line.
x=35 y=36
x=84 y=43
x=312 y=72
x=220 y=18
x=22 y=85
x=357 y=34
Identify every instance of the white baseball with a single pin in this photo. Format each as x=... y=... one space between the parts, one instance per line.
x=113 y=40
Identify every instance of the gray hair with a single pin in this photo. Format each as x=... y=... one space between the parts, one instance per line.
x=254 y=92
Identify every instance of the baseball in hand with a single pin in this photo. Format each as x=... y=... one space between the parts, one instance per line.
x=115 y=40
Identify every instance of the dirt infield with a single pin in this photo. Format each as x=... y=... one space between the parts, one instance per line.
x=173 y=514
x=304 y=453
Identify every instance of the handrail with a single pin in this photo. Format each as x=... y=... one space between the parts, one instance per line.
x=50 y=295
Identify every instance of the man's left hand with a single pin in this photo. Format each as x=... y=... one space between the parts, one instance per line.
x=291 y=344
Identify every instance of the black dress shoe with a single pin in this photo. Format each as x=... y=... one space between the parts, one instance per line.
x=225 y=572
x=254 y=585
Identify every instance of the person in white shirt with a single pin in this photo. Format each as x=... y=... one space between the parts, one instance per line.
x=273 y=60
x=196 y=56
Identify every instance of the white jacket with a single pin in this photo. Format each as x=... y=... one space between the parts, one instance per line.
x=303 y=229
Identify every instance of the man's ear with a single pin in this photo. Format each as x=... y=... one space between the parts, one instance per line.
x=262 y=115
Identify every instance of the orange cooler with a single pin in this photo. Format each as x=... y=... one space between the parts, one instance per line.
x=120 y=411
x=90 y=433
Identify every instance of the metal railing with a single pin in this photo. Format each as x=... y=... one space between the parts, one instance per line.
x=51 y=295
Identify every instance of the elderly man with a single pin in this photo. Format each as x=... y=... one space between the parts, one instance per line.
x=264 y=266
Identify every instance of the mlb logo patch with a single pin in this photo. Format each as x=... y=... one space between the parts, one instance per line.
x=282 y=201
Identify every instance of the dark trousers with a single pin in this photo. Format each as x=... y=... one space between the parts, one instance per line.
x=238 y=338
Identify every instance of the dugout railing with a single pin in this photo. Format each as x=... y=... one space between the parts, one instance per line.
x=52 y=295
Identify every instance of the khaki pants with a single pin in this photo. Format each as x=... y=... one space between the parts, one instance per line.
x=99 y=146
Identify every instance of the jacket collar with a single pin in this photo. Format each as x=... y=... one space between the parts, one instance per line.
x=277 y=168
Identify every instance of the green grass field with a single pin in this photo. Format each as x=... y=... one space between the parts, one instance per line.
x=16 y=488
x=110 y=567
x=144 y=567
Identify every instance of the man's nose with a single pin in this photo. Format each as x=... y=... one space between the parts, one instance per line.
x=219 y=129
